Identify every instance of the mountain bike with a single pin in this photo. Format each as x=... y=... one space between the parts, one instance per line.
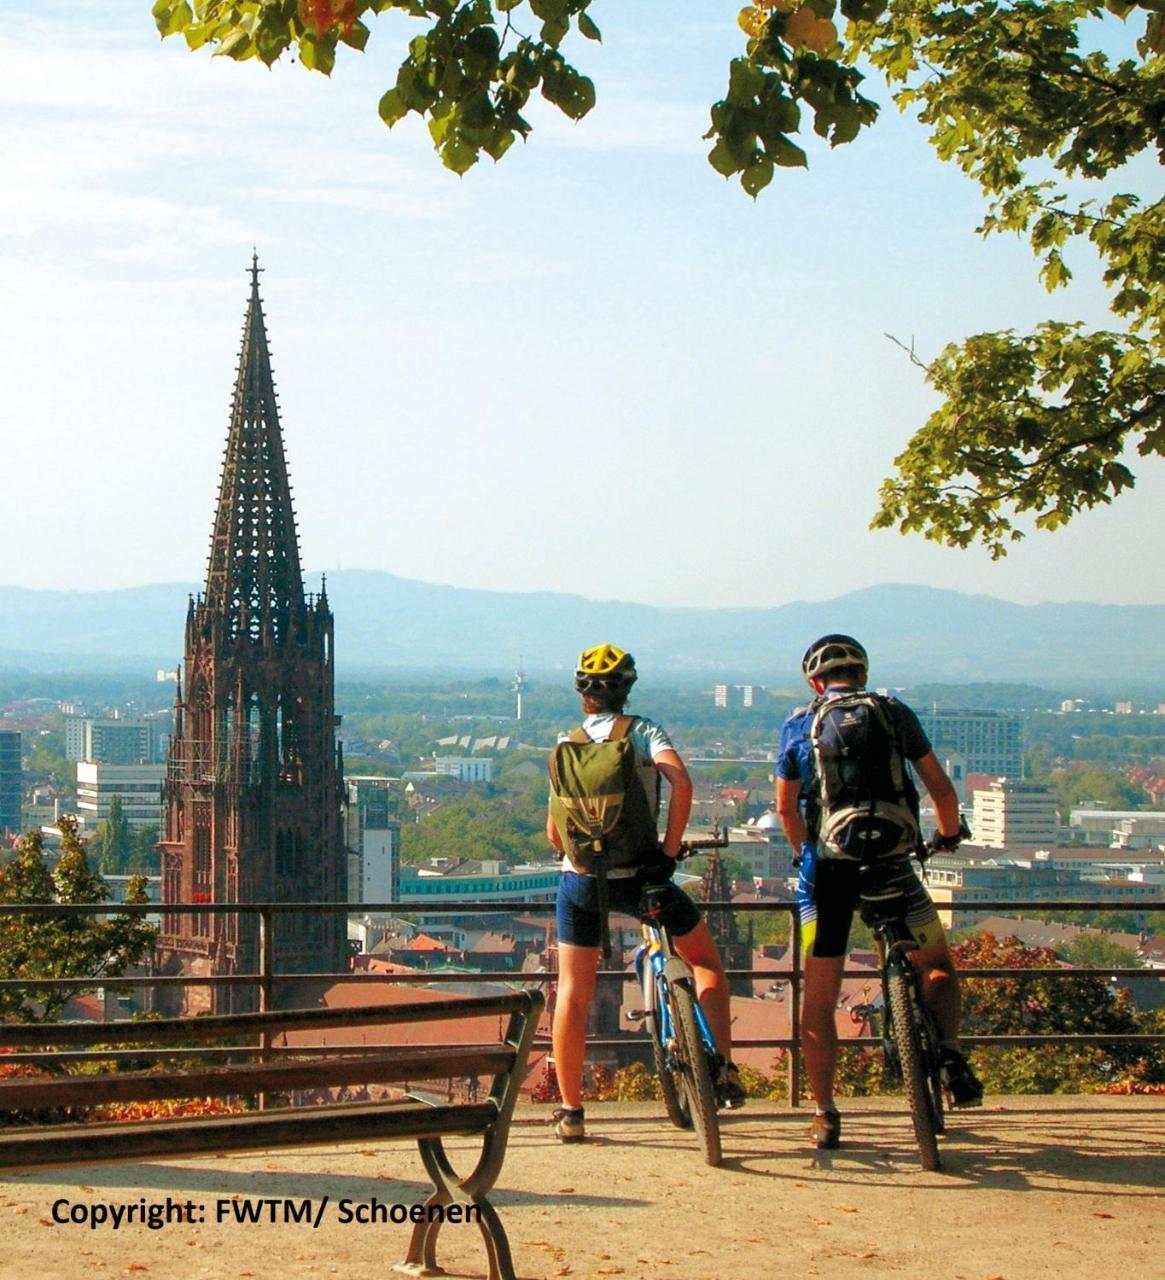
x=682 y=1047
x=910 y=1038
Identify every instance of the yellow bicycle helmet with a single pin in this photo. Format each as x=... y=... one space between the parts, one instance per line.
x=604 y=667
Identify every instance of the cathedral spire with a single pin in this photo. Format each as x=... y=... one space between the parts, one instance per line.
x=254 y=583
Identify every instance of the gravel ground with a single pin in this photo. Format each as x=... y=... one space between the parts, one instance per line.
x=1031 y=1188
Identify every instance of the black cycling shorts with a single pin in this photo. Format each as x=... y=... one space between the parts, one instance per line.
x=827 y=895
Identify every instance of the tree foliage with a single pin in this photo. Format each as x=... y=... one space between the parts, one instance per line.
x=66 y=944
x=119 y=849
x=1036 y=1006
x=112 y=841
x=482 y=823
x=1023 y=95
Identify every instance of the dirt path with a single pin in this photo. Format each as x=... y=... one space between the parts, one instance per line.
x=1055 y=1187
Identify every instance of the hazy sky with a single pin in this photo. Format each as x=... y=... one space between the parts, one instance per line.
x=595 y=367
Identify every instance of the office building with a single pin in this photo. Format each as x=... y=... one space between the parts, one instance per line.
x=1008 y=814
x=109 y=741
x=373 y=840
x=987 y=741
x=11 y=782
x=465 y=768
x=137 y=786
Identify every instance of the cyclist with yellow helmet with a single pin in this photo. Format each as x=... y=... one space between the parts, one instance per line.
x=603 y=677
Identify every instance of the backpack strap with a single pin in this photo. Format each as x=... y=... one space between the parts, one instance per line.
x=897 y=755
x=621 y=728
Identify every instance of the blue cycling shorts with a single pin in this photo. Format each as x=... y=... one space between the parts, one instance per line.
x=577 y=914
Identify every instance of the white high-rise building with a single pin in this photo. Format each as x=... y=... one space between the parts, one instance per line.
x=138 y=786
x=1008 y=814
x=373 y=841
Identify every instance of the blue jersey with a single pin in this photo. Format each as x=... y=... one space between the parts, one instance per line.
x=795 y=753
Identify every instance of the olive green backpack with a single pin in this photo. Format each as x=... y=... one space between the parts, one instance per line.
x=599 y=801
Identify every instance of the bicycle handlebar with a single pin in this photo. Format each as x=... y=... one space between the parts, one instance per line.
x=714 y=841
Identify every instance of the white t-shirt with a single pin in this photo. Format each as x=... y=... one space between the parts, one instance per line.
x=645 y=735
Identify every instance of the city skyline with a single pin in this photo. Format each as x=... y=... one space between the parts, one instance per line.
x=465 y=363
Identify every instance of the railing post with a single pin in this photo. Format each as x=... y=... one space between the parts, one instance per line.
x=795 y=1016
x=266 y=986
x=266 y=964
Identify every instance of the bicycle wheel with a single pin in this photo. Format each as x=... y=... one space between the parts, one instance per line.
x=695 y=1070
x=671 y=1080
x=932 y=1068
x=911 y=1055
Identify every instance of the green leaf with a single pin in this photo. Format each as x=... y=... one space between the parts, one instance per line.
x=318 y=53
x=458 y=155
x=355 y=36
x=722 y=159
x=757 y=176
x=172 y=16
x=745 y=82
x=786 y=154
x=587 y=27
x=573 y=94
x=554 y=31
x=392 y=107
x=499 y=144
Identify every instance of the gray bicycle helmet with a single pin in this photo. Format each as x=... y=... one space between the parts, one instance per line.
x=831 y=652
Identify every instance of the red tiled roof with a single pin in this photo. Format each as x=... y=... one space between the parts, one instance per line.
x=422 y=942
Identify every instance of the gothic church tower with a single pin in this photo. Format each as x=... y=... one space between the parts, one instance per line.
x=252 y=795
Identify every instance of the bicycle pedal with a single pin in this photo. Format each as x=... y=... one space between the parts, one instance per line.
x=635 y=1015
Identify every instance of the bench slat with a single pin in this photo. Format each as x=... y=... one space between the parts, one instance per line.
x=264 y=1130
x=390 y=1066
x=172 y=1030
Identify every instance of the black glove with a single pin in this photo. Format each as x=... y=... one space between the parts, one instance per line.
x=660 y=869
x=939 y=841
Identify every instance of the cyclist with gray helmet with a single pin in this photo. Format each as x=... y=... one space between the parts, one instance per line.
x=828 y=886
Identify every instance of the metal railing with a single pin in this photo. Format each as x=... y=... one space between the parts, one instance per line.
x=265 y=981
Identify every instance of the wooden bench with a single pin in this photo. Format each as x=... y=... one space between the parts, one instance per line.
x=259 y=1070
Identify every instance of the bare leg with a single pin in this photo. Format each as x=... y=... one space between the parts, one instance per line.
x=702 y=954
x=576 y=988
x=819 y=1025
x=941 y=991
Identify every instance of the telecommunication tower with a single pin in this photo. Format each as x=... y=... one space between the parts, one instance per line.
x=518 y=688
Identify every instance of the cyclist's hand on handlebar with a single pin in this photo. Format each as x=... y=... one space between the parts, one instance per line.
x=939 y=841
x=660 y=869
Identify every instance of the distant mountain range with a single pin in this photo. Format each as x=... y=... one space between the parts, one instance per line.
x=384 y=622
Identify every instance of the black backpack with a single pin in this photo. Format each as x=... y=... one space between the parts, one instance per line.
x=864 y=805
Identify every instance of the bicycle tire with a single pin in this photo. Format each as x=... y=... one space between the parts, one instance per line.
x=670 y=1084
x=932 y=1062
x=695 y=1070
x=911 y=1055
